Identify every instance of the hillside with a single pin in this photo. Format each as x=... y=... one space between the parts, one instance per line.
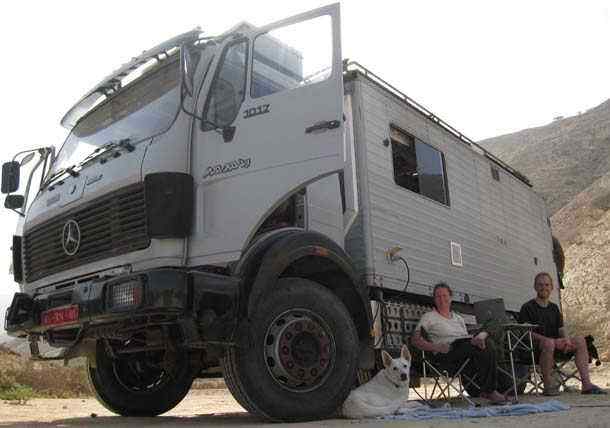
x=583 y=225
x=568 y=161
x=562 y=158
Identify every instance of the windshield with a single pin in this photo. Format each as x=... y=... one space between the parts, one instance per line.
x=144 y=108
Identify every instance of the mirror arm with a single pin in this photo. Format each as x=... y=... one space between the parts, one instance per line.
x=217 y=128
x=44 y=167
x=22 y=152
x=27 y=188
x=183 y=108
x=18 y=212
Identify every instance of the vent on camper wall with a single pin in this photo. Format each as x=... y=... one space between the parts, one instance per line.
x=456 y=254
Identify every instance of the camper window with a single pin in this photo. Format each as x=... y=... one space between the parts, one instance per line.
x=418 y=166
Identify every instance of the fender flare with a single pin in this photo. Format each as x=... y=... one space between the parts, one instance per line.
x=295 y=245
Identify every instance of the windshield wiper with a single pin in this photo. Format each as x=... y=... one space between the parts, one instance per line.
x=124 y=143
x=104 y=148
x=68 y=170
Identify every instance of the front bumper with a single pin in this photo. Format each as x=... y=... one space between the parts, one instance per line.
x=164 y=291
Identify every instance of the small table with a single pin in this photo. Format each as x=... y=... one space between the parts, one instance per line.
x=519 y=338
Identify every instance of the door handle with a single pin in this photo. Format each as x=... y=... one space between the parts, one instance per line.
x=326 y=124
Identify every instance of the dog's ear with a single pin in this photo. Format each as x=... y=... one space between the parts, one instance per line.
x=404 y=353
x=387 y=359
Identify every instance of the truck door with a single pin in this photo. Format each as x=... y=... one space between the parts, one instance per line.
x=276 y=93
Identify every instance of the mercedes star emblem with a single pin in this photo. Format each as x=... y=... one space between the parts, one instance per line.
x=70 y=238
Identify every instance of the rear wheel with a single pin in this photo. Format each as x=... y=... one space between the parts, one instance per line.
x=299 y=360
x=140 y=383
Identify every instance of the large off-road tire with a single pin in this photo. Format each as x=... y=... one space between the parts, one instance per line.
x=140 y=384
x=299 y=360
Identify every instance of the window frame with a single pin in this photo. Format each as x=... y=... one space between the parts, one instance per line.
x=219 y=64
x=332 y=70
x=417 y=140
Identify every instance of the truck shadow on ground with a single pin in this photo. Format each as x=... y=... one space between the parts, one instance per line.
x=208 y=420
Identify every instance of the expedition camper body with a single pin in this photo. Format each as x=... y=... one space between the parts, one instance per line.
x=252 y=205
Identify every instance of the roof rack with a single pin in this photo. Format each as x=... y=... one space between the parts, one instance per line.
x=353 y=66
x=111 y=84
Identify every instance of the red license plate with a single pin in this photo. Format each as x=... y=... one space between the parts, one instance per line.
x=59 y=316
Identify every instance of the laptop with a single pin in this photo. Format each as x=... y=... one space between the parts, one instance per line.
x=490 y=310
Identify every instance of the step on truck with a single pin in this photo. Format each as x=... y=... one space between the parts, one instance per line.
x=251 y=206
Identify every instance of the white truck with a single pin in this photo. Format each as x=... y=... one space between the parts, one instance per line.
x=252 y=206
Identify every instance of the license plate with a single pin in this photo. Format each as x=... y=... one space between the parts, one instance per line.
x=60 y=316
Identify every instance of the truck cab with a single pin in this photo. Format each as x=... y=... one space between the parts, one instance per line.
x=192 y=222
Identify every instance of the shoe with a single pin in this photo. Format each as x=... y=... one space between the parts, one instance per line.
x=496 y=399
x=551 y=392
x=595 y=390
x=509 y=397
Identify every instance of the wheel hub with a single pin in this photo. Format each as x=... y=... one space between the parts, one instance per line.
x=299 y=350
x=144 y=372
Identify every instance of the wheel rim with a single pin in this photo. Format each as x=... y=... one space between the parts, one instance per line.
x=299 y=350
x=142 y=373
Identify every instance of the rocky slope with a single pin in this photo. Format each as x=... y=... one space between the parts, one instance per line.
x=562 y=158
x=583 y=225
x=568 y=161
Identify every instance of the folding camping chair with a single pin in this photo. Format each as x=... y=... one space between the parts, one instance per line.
x=446 y=379
x=518 y=360
x=528 y=374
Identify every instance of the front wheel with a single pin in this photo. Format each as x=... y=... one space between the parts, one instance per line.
x=140 y=383
x=300 y=358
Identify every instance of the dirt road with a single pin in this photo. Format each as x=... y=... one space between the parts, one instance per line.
x=216 y=408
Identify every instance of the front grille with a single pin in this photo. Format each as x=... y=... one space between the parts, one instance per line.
x=112 y=225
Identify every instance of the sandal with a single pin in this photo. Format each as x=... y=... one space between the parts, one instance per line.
x=595 y=390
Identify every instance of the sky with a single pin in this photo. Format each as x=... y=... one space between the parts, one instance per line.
x=486 y=67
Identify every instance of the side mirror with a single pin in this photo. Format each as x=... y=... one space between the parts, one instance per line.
x=228 y=132
x=28 y=158
x=10 y=177
x=225 y=107
x=14 y=201
x=186 y=65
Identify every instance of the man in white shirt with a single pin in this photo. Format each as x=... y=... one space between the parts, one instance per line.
x=450 y=343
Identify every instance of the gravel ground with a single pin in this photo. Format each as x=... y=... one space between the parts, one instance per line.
x=216 y=407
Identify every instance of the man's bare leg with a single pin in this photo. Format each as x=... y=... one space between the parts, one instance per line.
x=582 y=361
x=546 y=361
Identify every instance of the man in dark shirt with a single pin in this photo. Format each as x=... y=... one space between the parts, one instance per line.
x=552 y=336
x=547 y=317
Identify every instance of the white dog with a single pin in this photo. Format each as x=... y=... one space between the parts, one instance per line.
x=386 y=393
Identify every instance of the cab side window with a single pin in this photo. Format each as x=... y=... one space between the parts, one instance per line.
x=228 y=89
x=288 y=57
